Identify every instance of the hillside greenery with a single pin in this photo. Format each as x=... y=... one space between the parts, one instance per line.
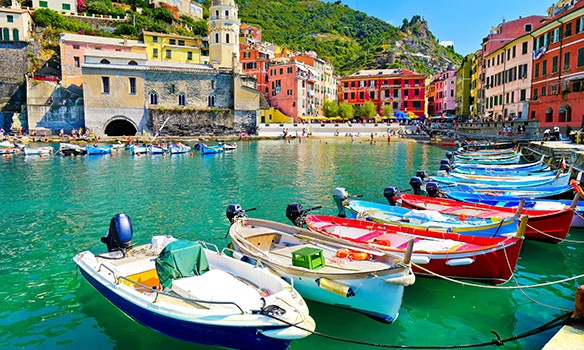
x=351 y=40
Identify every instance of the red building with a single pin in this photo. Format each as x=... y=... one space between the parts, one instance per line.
x=557 y=95
x=400 y=88
x=255 y=56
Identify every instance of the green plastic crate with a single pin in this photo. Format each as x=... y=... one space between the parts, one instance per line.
x=310 y=258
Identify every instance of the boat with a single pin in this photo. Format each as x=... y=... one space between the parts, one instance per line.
x=194 y=292
x=152 y=149
x=204 y=149
x=423 y=219
x=70 y=149
x=37 y=151
x=435 y=254
x=498 y=182
x=98 y=150
x=543 y=191
x=310 y=261
x=138 y=149
x=511 y=159
x=178 y=148
x=229 y=146
x=509 y=168
x=547 y=225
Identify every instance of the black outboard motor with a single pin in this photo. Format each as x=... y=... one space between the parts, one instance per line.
x=445 y=167
x=390 y=194
x=432 y=189
x=234 y=211
x=416 y=184
x=445 y=161
x=296 y=213
x=119 y=236
x=449 y=155
x=421 y=174
x=340 y=195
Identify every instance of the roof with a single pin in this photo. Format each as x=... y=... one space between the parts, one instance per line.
x=91 y=39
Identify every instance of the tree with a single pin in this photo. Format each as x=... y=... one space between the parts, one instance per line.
x=346 y=111
x=368 y=109
x=387 y=110
x=330 y=109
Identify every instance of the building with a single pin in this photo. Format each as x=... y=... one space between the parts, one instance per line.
x=477 y=91
x=403 y=90
x=184 y=7
x=176 y=48
x=445 y=93
x=60 y=6
x=15 y=24
x=558 y=68
x=463 y=82
x=255 y=56
x=224 y=35
x=73 y=48
x=507 y=64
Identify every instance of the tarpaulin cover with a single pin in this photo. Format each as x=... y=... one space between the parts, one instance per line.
x=179 y=259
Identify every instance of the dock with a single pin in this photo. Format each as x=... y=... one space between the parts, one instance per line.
x=571 y=337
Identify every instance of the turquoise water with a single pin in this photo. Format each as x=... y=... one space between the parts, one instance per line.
x=53 y=207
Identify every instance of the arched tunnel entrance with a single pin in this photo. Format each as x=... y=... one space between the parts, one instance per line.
x=120 y=127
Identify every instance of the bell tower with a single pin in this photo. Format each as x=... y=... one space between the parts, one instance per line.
x=224 y=35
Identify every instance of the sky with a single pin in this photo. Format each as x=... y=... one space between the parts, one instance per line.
x=463 y=22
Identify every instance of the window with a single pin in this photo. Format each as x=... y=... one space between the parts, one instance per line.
x=155 y=39
x=580 y=25
x=567 y=61
x=528 y=28
x=132 y=63
x=543 y=91
x=537 y=70
x=105 y=83
x=554 y=64
x=514 y=51
x=77 y=62
x=10 y=19
x=155 y=53
x=217 y=38
x=172 y=41
x=190 y=55
x=132 y=82
x=544 y=68
x=168 y=54
x=568 y=31
x=76 y=47
x=524 y=48
x=361 y=95
x=15 y=36
x=556 y=35
x=581 y=57
x=395 y=93
x=345 y=96
x=211 y=100
x=5 y=34
x=153 y=98
x=522 y=95
x=182 y=100
x=535 y=94
x=66 y=7
x=372 y=95
x=227 y=38
x=181 y=43
x=352 y=95
x=44 y=4
x=104 y=61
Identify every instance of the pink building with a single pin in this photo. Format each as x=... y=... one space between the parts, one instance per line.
x=507 y=66
x=291 y=88
x=73 y=47
x=445 y=93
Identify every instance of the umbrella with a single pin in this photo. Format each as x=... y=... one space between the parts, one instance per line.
x=400 y=115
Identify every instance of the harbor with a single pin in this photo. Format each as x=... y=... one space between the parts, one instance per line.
x=57 y=206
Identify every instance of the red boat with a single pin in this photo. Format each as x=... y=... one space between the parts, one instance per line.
x=485 y=259
x=551 y=226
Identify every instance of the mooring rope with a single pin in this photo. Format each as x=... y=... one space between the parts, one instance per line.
x=553 y=237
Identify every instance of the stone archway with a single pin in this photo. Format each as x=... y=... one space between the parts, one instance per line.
x=120 y=126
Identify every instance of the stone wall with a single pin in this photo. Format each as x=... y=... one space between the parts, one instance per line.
x=190 y=122
x=494 y=130
x=13 y=68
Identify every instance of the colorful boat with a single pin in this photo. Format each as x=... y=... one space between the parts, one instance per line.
x=374 y=286
x=98 y=150
x=178 y=148
x=509 y=168
x=435 y=254
x=138 y=149
x=550 y=225
x=497 y=182
x=423 y=219
x=194 y=292
x=205 y=149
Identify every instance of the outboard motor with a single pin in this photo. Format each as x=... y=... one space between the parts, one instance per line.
x=296 y=213
x=432 y=189
x=119 y=236
x=416 y=184
x=421 y=174
x=234 y=211
x=390 y=194
x=445 y=161
x=449 y=155
x=445 y=167
x=340 y=195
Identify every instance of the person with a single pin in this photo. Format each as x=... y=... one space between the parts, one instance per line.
x=372 y=136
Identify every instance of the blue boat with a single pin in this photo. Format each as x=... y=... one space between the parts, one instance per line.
x=204 y=149
x=423 y=219
x=137 y=149
x=194 y=292
x=98 y=150
x=500 y=183
x=536 y=192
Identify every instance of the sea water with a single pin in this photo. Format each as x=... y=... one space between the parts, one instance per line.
x=53 y=207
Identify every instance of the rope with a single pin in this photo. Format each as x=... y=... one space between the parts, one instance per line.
x=553 y=237
x=558 y=321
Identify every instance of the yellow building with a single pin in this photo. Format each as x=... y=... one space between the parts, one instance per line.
x=175 y=48
x=272 y=115
x=15 y=24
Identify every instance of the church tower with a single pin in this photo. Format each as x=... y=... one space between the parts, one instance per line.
x=224 y=35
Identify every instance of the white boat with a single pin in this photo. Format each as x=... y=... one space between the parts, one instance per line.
x=178 y=148
x=194 y=292
x=136 y=149
x=373 y=286
x=156 y=149
x=37 y=151
x=229 y=146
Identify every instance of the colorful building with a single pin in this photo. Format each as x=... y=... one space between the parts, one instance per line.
x=399 y=88
x=558 y=68
x=73 y=48
x=255 y=56
x=15 y=24
x=507 y=64
x=445 y=93
x=463 y=82
x=184 y=7
x=175 y=48
x=224 y=35
x=477 y=91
